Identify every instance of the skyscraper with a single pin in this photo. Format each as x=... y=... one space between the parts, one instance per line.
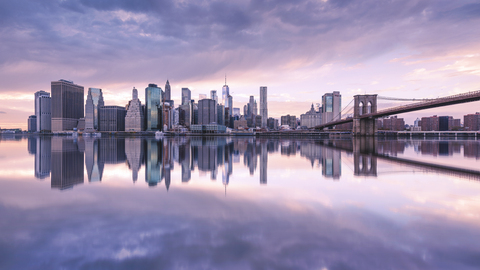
x=67 y=105
x=43 y=107
x=167 y=91
x=92 y=105
x=43 y=111
x=225 y=93
x=153 y=98
x=213 y=95
x=134 y=120
x=207 y=111
x=332 y=107
x=111 y=118
x=263 y=106
x=186 y=96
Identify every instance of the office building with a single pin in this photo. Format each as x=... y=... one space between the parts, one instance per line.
x=43 y=111
x=443 y=123
x=112 y=118
x=272 y=123
x=94 y=101
x=67 y=105
x=135 y=118
x=263 y=106
x=207 y=112
x=332 y=107
x=393 y=123
x=153 y=101
x=220 y=114
x=430 y=123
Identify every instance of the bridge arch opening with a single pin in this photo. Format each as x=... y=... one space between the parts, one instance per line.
x=369 y=107
x=360 y=108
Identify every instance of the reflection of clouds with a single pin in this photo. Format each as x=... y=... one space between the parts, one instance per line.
x=199 y=229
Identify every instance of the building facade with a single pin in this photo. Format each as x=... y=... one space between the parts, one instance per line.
x=94 y=101
x=153 y=99
x=207 y=111
x=32 y=123
x=332 y=107
x=289 y=120
x=43 y=107
x=112 y=118
x=186 y=96
x=67 y=105
x=471 y=122
x=311 y=118
x=134 y=118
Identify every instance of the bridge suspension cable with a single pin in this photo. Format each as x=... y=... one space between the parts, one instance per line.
x=405 y=99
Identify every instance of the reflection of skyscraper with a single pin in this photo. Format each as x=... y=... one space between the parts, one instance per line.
x=32 y=145
x=134 y=153
x=67 y=163
x=263 y=163
x=94 y=167
x=153 y=162
x=184 y=160
x=331 y=165
x=43 y=157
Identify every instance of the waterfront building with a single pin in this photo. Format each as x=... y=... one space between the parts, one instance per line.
x=258 y=121
x=207 y=111
x=112 y=118
x=430 y=123
x=331 y=106
x=272 y=123
x=393 y=123
x=43 y=111
x=184 y=118
x=443 y=123
x=471 y=122
x=453 y=124
x=263 y=106
x=220 y=114
x=240 y=123
x=32 y=123
x=94 y=101
x=311 y=118
x=289 y=120
x=134 y=119
x=153 y=99
x=67 y=105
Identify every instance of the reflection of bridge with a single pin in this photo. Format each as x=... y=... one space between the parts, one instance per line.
x=365 y=110
x=366 y=155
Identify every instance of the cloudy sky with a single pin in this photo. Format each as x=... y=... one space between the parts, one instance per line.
x=298 y=49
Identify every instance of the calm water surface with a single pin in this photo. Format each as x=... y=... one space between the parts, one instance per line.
x=238 y=203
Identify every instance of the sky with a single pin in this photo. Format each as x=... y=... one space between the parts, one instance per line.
x=299 y=49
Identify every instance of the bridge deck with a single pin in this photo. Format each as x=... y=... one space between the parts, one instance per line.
x=439 y=102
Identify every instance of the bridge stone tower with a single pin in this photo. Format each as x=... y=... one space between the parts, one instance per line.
x=364 y=104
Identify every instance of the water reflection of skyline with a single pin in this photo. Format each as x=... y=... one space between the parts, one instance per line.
x=64 y=157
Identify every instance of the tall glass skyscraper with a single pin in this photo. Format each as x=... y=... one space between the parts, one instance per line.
x=153 y=105
x=263 y=105
x=186 y=96
x=332 y=107
x=94 y=102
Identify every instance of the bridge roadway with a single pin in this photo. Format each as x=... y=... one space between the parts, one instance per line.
x=439 y=102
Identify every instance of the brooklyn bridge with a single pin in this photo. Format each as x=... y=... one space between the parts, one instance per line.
x=365 y=110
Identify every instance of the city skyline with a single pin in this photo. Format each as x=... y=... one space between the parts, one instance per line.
x=413 y=49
